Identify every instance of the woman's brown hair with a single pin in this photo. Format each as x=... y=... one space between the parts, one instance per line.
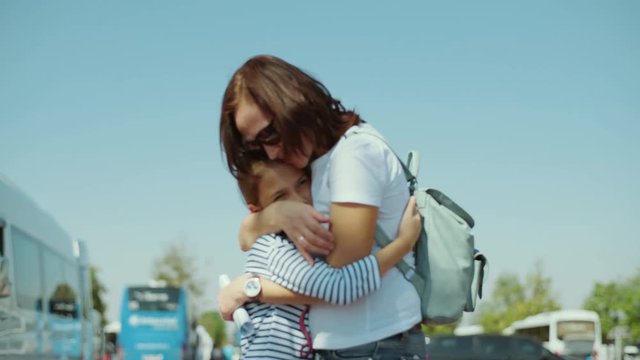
x=299 y=106
x=249 y=180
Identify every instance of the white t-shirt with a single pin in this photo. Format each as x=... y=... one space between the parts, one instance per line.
x=362 y=169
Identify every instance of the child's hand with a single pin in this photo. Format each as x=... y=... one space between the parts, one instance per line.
x=232 y=297
x=410 y=224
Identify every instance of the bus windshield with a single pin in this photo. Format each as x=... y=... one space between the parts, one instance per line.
x=576 y=330
x=153 y=299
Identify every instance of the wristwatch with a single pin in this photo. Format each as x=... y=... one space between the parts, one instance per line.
x=252 y=287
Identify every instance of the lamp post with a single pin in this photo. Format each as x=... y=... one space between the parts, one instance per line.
x=619 y=331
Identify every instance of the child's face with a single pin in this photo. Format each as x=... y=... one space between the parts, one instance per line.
x=283 y=182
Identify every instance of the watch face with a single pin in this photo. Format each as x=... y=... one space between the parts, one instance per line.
x=252 y=287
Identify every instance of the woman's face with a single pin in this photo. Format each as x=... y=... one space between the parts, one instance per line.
x=254 y=126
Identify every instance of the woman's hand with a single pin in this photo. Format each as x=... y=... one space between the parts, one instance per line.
x=232 y=297
x=303 y=225
x=301 y=222
x=410 y=224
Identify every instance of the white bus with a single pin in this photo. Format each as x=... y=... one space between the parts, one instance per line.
x=564 y=332
x=45 y=290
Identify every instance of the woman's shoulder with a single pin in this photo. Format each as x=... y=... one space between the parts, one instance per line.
x=363 y=140
x=366 y=129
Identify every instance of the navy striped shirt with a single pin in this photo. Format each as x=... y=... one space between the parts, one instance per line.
x=277 y=332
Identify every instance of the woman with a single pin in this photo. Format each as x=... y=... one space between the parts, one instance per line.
x=273 y=109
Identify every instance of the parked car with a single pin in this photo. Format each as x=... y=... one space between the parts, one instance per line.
x=486 y=347
x=631 y=352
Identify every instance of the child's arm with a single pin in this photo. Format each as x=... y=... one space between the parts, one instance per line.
x=339 y=286
x=408 y=235
x=232 y=296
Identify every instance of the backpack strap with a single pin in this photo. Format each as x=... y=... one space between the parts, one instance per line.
x=407 y=270
x=444 y=200
x=478 y=256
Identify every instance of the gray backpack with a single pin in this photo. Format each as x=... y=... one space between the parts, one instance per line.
x=449 y=271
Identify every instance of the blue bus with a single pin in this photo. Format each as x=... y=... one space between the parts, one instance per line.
x=45 y=292
x=155 y=324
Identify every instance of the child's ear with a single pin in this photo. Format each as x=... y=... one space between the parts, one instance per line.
x=253 y=208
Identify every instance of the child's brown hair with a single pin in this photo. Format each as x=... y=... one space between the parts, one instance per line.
x=249 y=181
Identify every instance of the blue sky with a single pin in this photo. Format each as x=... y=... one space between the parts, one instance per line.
x=526 y=113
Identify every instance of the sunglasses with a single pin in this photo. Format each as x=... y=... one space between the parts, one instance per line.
x=268 y=136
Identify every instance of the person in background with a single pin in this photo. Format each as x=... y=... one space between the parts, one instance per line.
x=205 y=343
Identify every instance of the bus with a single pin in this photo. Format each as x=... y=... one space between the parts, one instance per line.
x=155 y=324
x=574 y=333
x=45 y=292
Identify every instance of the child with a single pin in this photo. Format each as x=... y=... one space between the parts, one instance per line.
x=281 y=329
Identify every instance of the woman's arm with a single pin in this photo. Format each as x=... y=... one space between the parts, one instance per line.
x=295 y=219
x=354 y=229
x=344 y=285
x=362 y=176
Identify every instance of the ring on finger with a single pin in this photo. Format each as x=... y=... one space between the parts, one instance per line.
x=301 y=238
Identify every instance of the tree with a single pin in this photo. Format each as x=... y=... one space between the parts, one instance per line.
x=178 y=268
x=97 y=291
x=512 y=300
x=610 y=298
x=215 y=326
x=439 y=329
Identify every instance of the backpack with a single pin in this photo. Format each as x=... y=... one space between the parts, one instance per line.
x=449 y=272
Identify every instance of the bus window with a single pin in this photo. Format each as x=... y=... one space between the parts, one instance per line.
x=27 y=271
x=72 y=279
x=60 y=291
x=86 y=296
x=1 y=237
x=576 y=329
x=153 y=299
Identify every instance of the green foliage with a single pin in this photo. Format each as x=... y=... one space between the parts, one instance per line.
x=215 y=326
x=512 y=300
x=610 y=298
x=97 y=292
x=64 y=292
x=178 y=268
x=438 y=329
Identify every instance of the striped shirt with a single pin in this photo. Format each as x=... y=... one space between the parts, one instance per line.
x=277 y=332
